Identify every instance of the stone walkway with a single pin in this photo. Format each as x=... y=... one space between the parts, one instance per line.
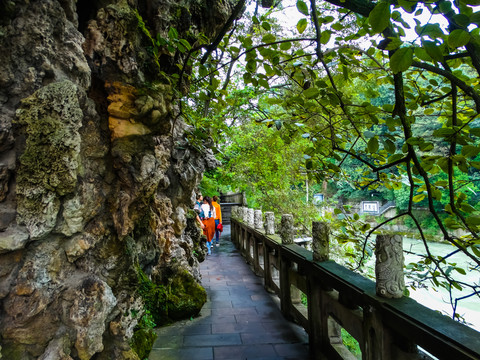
x=240 y=320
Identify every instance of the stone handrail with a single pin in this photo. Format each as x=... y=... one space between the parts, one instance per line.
x=385 y=324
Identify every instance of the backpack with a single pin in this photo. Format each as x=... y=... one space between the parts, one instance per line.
x=199 y=210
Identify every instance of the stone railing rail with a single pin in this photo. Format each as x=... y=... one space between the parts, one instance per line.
x=385 y=324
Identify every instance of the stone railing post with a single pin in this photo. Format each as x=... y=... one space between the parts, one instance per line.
x=269 y=223
x=258 y=222
x=286 y=229
x=287 y=296
x=234 y=212
x=245 y=214
x=250 y=217
x=389 y=262
x=320 y=241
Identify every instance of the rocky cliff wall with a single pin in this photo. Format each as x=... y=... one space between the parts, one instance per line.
x=96 y=181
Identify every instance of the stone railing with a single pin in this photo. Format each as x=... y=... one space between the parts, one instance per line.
x=385 y=324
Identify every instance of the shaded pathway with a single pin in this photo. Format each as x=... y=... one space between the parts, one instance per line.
x=240 y=320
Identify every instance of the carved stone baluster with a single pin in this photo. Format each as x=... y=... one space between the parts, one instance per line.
x=245 y=214
x=320 y=241
x=250 y=217
x=286 y=229
x=258 y=219
x=286 y=293
x=390 y=282
x=269 y=223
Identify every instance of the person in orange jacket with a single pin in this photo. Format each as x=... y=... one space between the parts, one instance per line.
x=218 y=218
x=208 y=221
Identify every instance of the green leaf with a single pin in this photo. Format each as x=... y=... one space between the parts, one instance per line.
x=473 y=220
x=285 y=46
x=302 y=25
x=325 y=37
x=476 y=250
x=443 y=132
x=445 y=7
x=408 y=5
x=266 y=25
x=461 y=20
x=372 y=145
x=426 y=146
x=173 y=33
x=278 y=124
x=458 y=38
x=433 y=50
x=186 y=44
x=264 y=83
x=452 y=224
x=394 y=44
x=337 y=26
x=234 y=49
x=457 y=285
x=395 y=157
x=311 y=93
x=248 y=42
x=268 y=38
x=471 y=2
x=418 y=198
x=475 y=18
x=433 y=31
x=470 y=150
x=389 y=145
x=448 y=209
x=379 y=17
x=401 y=59
x=302 y=7
x=268 y=70
x=422 y=54
x=467 y=208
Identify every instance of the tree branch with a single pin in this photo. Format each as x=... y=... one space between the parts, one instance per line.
x=459 y=83
x=235 y=14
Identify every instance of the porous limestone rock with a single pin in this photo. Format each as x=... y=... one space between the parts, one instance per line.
x=96 y=177
x=48 y=166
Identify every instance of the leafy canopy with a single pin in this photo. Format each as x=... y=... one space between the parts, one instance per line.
x=352 y=91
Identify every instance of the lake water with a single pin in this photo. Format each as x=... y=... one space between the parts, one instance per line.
x=439 y=300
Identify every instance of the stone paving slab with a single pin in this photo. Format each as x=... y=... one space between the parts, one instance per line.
x=240 y=320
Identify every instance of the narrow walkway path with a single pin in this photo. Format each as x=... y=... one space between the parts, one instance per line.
x=239 y=321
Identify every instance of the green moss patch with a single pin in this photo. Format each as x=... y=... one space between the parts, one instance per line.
x=180 y=299
x=142 y=342
x=186 y=297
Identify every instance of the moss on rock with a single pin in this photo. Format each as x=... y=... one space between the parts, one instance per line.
x=181 y=299
x=186 y=297
x=142 y=342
